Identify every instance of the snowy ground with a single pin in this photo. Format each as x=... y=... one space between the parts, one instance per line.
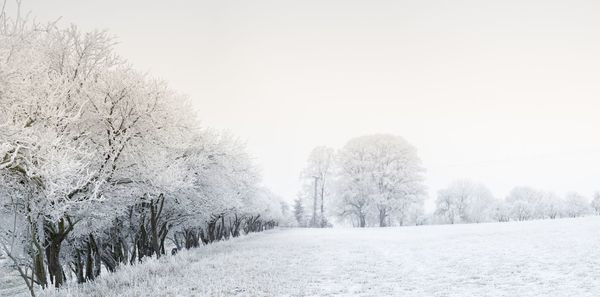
x=10 y=282
x=536 y=258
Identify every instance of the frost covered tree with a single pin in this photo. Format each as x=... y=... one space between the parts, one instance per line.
x=500 y=211
x=379 y=174
x=15 y=231
x=299 y=212
x=48 y=79
x=523 y=203
x=317 y=180
x=223 y=197
x=100 y=164
x=595 y=204
x=414 y=214
x=465 y=202
x=576 y=205
x=549 y=206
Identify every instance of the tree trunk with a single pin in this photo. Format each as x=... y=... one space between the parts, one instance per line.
x=89 y=262
x=226 y=231
x=236 y=226
x=155 y=211
x=55 y=235
x=39 y=267
x=79 y=267
x=134 y=251
x=322 y=202
x=97 y=259
x=382 y=217
x=314 y=218
x=54 y=266
x=212 y=228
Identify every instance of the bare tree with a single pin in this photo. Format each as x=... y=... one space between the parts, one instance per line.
x=317 y=175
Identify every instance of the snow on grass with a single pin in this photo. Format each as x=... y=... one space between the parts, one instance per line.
x=10 y=281
x=535 y=258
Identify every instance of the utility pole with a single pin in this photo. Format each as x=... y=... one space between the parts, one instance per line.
x=314 y=218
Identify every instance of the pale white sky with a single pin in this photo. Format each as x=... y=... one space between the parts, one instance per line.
x=502 y=92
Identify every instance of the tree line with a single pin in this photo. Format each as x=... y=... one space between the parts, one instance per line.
x=377 y=180
x=470 y=202
x=102 y=166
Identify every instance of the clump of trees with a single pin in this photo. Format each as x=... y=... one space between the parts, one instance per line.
x=374 y=180
x=464 y=201
x=377 y=180
x=470 y=202
x=102 y=166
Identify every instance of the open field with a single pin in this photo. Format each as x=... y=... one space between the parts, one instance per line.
x=535 y=258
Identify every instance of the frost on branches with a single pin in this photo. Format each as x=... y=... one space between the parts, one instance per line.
x=102 y=166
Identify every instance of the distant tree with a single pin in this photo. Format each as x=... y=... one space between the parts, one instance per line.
x=299 y=212
x=596 y=203
x=500 y=211
x=465 y=202
x=378 y=174
x=288 y=216
x=447 y=208
x=522 y=202
x=317 y=182
x=576 y=205
x=521 y=210
x=414 y=214
x=550 y=206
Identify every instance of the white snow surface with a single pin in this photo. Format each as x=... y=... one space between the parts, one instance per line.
x=534 y=258
x=10 y=281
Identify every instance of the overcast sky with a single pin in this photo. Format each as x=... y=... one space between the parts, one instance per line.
x=502 y=92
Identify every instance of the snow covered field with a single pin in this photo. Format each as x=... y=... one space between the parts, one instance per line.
x=534 y=258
